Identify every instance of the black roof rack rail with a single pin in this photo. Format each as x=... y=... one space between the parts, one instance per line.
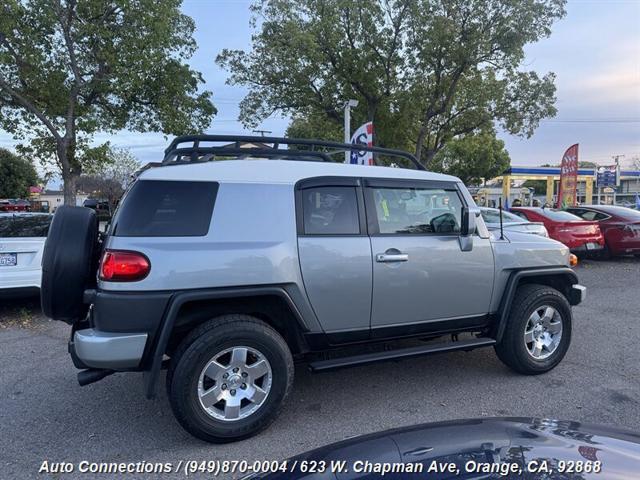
x=196 y=152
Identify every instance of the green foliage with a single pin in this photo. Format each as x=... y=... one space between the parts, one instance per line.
x=425 y=71
x=473 y=158
x=16 y=175
x=69 y=69
x=539 y=186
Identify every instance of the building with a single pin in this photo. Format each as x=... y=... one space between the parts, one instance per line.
x=587 y=192
x=56 y=198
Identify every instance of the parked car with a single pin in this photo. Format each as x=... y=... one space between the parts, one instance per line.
x=15 y=205
x=227 y=270
x=579 y=235
x=487 y=449
x=102 y=208
x=620 y=226
x=511 y=222
x=22 y=238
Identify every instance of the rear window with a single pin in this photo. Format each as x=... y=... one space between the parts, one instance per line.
x=16 y=226
x=158 y=208
x=560 y=216
x=626 y=213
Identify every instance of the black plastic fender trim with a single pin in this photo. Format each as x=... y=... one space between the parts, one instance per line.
x=177 y=300
x=512 y=285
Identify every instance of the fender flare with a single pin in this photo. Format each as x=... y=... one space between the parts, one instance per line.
x=177 y=300
x=512 y=285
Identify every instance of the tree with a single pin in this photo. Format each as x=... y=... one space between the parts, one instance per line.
x=310 y=56
x=16 y=175
x=425 y=71
x=109 y=180
x=473 y=158
x=69 y=69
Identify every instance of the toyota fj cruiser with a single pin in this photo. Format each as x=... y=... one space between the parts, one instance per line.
x=226 y=271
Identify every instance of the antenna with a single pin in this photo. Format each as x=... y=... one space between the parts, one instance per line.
x=500 y=208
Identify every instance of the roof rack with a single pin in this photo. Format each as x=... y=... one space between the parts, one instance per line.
x=310 y=150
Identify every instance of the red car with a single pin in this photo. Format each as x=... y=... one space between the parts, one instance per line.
x=620 y=225
x=14 y=205
x=581 y=236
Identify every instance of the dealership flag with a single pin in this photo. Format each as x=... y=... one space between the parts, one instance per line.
x=568 y=178
x=362 y=136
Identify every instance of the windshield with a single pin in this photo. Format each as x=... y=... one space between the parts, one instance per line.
x=493 y=216
x=16 y=226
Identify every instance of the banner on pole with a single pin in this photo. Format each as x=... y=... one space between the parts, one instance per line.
x=362 y=136
x=567 y=193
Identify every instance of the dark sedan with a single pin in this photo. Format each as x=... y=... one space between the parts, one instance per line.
x=490 y=448
x=620 y=226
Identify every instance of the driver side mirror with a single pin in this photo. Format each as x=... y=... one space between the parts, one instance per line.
x=468 y=228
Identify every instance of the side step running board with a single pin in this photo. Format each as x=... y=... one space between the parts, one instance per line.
x=411 y=352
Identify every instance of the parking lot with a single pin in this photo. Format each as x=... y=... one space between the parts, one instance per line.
x=45 y=415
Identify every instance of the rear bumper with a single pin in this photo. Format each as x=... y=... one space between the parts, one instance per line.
x=583 y=248
x=107 y=350
x=12 y=277
x=577 y=294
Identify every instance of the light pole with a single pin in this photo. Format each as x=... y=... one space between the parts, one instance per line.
x=347 y=126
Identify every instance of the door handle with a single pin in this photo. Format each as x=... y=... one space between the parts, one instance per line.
x=391 y=257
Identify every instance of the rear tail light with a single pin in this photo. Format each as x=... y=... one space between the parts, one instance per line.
x=123 y=266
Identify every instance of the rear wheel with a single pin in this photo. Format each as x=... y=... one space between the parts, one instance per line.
x=538 y=331
x=229 y=378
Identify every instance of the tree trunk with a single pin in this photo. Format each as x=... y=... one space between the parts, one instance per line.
x=70 y=180
x=70 y=174
x=428 y=158
x=419 y=144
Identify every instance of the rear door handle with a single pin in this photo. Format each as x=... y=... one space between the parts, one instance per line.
x=391 y=257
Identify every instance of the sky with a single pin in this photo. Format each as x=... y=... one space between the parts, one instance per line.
x=594 y=51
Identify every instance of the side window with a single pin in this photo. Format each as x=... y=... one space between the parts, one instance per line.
x=588 y=215
x=417 y=210
x=330 y=211
x=600 y=216
x=159 y=208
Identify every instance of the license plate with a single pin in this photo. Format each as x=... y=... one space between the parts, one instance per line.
x=8 y=259
x=592 y=246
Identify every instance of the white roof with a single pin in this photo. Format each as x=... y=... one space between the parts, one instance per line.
x=280 y=171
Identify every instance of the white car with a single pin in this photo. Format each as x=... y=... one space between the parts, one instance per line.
x=511 y=222
x=22 y=237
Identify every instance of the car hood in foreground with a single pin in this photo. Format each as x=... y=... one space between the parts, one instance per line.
x=480 y=448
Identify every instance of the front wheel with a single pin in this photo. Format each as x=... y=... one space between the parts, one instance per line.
x=229 y=378
x=538 y=331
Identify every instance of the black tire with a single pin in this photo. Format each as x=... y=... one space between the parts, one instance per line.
x=512 y=350
x=203 y=344
x=68 y=263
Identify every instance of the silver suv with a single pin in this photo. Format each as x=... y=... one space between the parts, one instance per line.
x=228 y=271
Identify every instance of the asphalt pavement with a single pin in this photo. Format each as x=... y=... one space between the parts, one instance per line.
x=45 y=415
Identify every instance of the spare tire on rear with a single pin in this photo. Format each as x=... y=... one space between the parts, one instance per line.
x=68 y=263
